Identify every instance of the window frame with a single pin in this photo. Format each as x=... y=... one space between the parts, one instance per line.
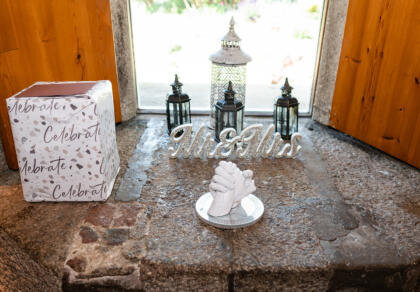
x=256 y=113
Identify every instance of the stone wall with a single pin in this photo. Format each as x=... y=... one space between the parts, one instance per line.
x=121 y=25
x=330 y=55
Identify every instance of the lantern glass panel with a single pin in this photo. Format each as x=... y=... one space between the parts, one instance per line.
x=293 y=125
x=219 y=123
x=224 y=120
x=283 y=121
x=175 y=115
x=240 y=116
x=181 y=113
x=276 y=117
x=228 y=120
x=187 y=118
x=171 y=115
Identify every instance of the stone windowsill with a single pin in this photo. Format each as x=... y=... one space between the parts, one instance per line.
x=338 y=215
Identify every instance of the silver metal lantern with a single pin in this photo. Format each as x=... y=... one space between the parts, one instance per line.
x=228 y=64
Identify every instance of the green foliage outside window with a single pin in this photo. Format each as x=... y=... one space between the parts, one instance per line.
x=178 y=6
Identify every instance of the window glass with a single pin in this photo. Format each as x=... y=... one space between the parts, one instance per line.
x=172 y=36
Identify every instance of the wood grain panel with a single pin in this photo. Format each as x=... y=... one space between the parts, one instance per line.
x=53 y=40
x=7 y=35
x=377 y=91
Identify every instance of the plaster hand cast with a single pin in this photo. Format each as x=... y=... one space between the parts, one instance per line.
x=228 y=187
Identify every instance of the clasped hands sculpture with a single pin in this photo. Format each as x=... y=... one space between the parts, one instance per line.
x=228 y=187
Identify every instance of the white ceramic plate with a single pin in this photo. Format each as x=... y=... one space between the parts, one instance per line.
x=247 y=213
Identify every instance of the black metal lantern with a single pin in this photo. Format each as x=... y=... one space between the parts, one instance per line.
x=229 y=113
x=177 y=107
x=286 y=111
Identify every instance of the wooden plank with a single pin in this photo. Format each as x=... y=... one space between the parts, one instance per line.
x=377 y=93
x=7 y=36
x=54 y=40
x=8 y=81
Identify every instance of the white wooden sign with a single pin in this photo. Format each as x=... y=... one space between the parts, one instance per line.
x=252 y=142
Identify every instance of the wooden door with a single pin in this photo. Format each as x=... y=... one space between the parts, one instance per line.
x=53 y=40
x=377 y=91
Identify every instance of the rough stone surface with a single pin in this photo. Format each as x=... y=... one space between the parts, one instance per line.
x=78 y=264
x=9 y=177
x=282 y=281
x=135 y=176
x=341 y=215
x=116 y=236
x=128 y=215
x=19 y=272
x=45 y=230
x=101 y=215
x=121 y=26
x=310 y=237
x=330 y=57
x=383 y=192
x=3 y=164
x=128 y=136
x=88 y=235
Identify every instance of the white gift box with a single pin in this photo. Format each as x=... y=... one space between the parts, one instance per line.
x=64 y=134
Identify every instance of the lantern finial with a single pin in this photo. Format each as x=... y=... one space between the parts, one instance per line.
x=229 y=93
x=231 y=37
x=230 y=86
x=286 y=89
x=176 y=86
x=232 y=24
x=230 y=52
